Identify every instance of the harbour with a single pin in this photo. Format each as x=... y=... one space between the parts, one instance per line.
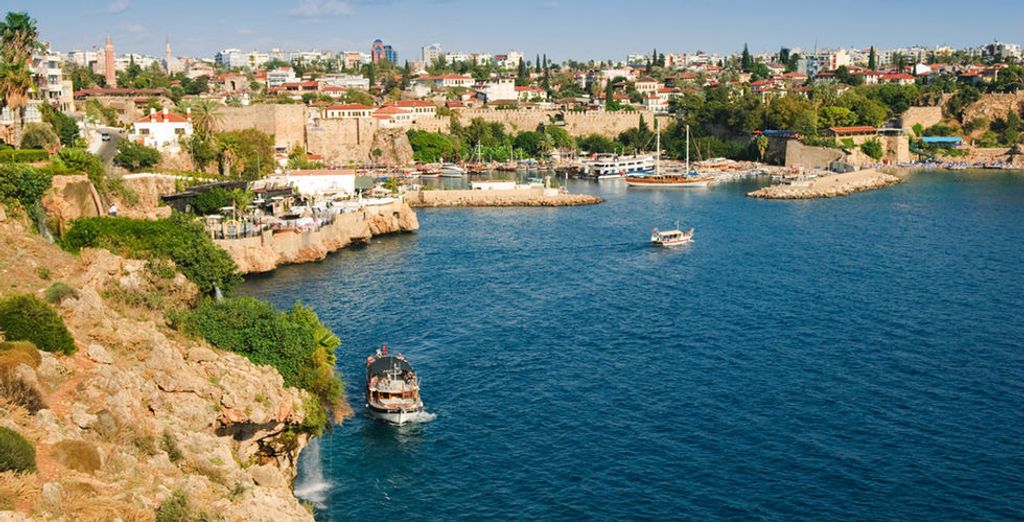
x=755 y=323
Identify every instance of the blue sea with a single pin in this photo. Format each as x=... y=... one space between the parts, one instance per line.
x=860 y=358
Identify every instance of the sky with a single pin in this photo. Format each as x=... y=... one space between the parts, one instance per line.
x=563 y=29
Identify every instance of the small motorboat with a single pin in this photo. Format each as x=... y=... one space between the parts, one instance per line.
x=675 y=237
x=451 y=170
x=392 y=388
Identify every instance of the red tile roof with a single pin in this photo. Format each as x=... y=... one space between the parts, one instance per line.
x=409 y=103
x=160 y=117
x=863 y=129
x=349 y=107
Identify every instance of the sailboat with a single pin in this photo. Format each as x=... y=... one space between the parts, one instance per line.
x=687 y=179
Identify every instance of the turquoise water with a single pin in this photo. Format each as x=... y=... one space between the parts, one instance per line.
x=857 y=358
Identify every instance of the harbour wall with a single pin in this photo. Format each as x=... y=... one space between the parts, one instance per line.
x=269 y=250
x=499 y=198
x=830 y=186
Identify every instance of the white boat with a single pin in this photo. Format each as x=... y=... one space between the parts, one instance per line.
x=451 y=170
x=614 y=166
x=669 y=238
x=392 y=388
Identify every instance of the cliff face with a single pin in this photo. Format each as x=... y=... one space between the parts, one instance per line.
x=147 y=411
x=270 y=250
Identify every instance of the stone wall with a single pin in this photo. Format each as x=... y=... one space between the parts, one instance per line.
x=925 y=116
x=609 y=124
x=800 y=155
x=285 y=122
x=538 y=197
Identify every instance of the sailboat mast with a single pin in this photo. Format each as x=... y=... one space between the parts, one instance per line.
x=657 y=156
x=687 y=149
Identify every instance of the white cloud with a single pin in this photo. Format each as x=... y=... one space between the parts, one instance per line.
x=320 y=8
x=118 y=6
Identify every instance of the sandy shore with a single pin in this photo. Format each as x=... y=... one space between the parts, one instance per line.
x=829 y=186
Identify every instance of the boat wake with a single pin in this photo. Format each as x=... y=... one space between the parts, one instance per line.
x=311 y=485
x=422 y=417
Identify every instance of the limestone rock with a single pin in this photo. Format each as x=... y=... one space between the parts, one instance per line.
x=99 y=354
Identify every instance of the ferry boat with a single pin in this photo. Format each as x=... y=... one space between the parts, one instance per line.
x=451 y=170
x=392 y=388
x=669 y=238
x=614 y=166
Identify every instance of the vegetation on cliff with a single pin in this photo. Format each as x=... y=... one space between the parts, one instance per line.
x=178 y=238
x=16 y=453
x=28 y=318
x=295 y=342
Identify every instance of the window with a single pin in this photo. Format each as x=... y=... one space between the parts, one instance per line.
x=179 y=131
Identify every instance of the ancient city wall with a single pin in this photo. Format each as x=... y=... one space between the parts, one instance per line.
x=285 y=122
x=925 y=116
x=576 y=123
x=798 y=154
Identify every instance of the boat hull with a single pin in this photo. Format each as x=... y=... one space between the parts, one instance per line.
x=394 y=416
x=680 y=184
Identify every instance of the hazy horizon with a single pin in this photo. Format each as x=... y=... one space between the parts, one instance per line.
x=563 y=29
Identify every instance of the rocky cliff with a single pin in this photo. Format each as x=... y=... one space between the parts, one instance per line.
x=141 y=412
x=270 y=250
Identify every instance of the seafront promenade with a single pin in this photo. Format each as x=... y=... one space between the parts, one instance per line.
x=499 y=198
x=830 y=186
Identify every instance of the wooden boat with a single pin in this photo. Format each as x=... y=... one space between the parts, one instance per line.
x=673 y=237
x=686 y=179
x=392 y=388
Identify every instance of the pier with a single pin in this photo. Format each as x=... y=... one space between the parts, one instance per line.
x=533 y=197
x=830 y=186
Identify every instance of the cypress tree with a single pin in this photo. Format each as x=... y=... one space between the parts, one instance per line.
x=872 y=59
x=745 y=60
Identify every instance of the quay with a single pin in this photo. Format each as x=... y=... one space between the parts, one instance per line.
x=267 y=249
x=531 y=197
x=830 y=186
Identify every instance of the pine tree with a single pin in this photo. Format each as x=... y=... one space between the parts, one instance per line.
x=746 y=62
x=872 y=59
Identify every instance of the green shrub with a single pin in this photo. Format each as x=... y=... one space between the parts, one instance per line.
x=23 y=155
x=177 y=509
x=16 y=453
x=873 y=149
x=22 y=184
x=81 y=160
x=296 y=343
x=43 y=272
x=136 y=156
x=211 y=201
x=28 y=318
x=58 y=292
x=39 y=136
x=179 y=238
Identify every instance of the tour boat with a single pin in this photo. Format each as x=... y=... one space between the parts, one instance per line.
x=671 y=237
x=686 y=179
x=614 y=166
x=392 y=388
x=451 y=170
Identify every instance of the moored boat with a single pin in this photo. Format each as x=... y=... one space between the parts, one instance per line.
x=668 y=181
x=614 y=166
x=392 y=388
x=673 y=237
x=451 y=170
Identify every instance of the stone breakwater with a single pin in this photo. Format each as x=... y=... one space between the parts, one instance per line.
x=271 y=249
x=831 y=186
x=499 y=198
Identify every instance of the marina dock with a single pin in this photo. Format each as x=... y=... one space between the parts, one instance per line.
x=533 y=197
x=830 y=186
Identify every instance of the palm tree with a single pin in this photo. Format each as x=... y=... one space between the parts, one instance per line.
x=206 y=116
x=19 y=37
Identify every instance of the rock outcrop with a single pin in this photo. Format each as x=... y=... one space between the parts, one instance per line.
x=271 y=249
x=69 y=198
x=140 y=411
x=829 y=186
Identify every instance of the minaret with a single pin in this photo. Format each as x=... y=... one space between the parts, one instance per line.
x=167 y=55
x=109 y=71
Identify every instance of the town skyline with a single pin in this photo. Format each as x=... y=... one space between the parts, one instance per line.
x=351 y=25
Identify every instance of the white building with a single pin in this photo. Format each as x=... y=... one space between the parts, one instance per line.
x=498 y=89
x=322 y=181
x=419 y=108
x=53 y=89
x=231 y=58
x=432 y=52
x=345 y=81
x=162 y=130
x=510 y=60
x=280 y=76
x=348 y=110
